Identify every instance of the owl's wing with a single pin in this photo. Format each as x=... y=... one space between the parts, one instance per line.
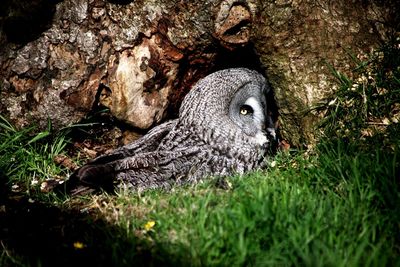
x=148 y=142
x=98 y=172
x=154 y=169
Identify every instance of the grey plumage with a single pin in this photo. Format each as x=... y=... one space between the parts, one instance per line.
x=223 y=128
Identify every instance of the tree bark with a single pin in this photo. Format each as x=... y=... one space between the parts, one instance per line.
x=297 y=41
x=61 y=59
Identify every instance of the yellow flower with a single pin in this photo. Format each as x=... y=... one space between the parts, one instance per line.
x=149 y=225
x=78 y=245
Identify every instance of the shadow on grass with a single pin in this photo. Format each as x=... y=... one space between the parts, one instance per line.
x=36 y=234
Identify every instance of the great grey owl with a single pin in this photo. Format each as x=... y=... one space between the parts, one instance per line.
x=223 y=128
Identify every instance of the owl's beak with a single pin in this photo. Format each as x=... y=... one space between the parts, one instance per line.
x=271 y=145
x=271 y=133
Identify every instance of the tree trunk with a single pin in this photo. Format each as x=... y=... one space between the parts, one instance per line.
x=61 y=59
x=298 y=40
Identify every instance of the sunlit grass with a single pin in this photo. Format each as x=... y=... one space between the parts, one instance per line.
x=336 y=206
x=294 y=214
x=26 y=155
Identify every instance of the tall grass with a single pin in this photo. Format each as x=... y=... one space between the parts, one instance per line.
x=335 y=207
x=27 y=156
x=326 y=210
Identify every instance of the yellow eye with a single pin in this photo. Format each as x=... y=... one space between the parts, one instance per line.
x=246 y=110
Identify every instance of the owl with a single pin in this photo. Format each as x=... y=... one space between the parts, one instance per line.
x=224 y=127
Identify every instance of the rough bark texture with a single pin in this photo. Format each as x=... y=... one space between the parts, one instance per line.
x=297 y=39
x=60 y=59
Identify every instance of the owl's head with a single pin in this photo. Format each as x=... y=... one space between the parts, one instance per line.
x=233 y=103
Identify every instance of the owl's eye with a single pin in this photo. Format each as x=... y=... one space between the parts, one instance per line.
x=246 y=110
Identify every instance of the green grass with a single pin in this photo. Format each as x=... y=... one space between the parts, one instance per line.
x=326 y=210
x=26 y=156
x=336 y=205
